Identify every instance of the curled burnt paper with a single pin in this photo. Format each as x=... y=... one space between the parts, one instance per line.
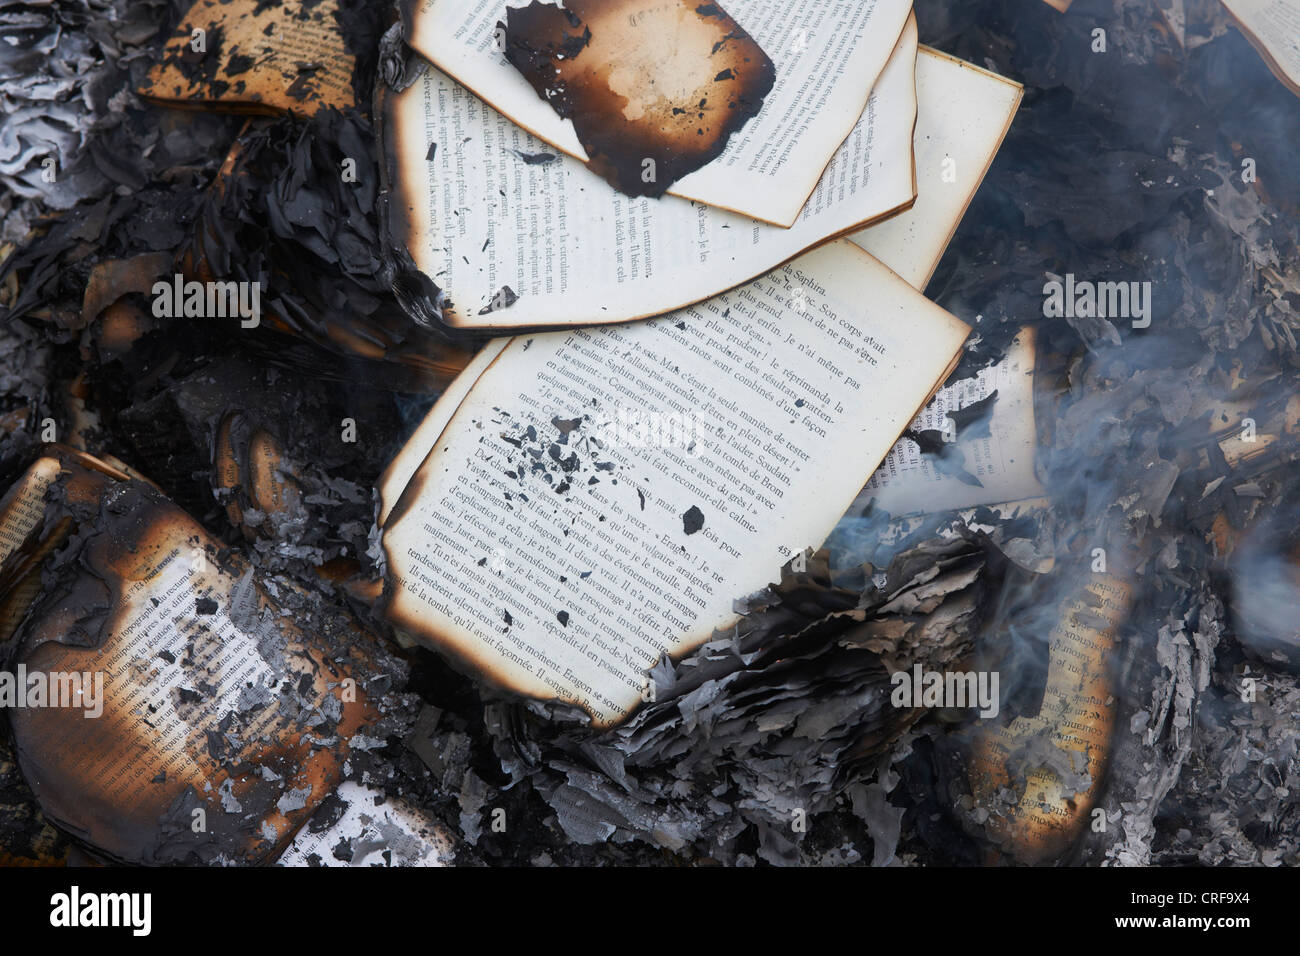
x=186 y=715
x=325 y=282
x=1035 y=780
x=804 y=678
x=654 y=89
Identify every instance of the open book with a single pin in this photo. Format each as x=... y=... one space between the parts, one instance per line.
x=581 y=504
x=827 y=55
x=522 y=238
x=248 y=56
x=1273 y=28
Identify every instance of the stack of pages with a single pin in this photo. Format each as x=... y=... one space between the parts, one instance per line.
x=700 y=232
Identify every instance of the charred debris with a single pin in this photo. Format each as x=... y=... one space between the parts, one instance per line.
x=255 y=451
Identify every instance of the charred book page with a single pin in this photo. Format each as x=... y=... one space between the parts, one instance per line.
x=359 y=826
x=248 y=56
x=973 y=445
x=1035 y=779
x=470 y=190
x=655 y=90
x=1273 y=28
x=167 y=708
x=599 y=499
x=963 y=114
x=827 y=56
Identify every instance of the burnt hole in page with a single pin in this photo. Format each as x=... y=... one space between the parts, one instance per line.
x=654 y=90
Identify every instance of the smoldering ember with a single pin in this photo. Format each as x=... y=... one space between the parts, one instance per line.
x=907 y=476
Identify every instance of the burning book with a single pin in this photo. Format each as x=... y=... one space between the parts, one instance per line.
x=494 y=279
x=517 y=521
x=735 y=547
x=202 y=720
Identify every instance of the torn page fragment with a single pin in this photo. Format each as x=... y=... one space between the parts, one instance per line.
x=247 y=56
x=358 y=826
x=654 y=90
x=974 y=444
x=168 y=707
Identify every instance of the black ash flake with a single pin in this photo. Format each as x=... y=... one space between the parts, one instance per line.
x=555 y=455
x=692 y=520
x=534 y=159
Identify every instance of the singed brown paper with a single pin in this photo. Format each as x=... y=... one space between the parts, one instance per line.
x=654 y=89
x=215 y=724
x=245 y=56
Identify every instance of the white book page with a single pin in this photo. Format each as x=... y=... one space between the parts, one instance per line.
x=566 y=569
x=1273 y=28
x=1003 y=461
x=412 y=455
x=478 y=218
x=828 y=56
x=372 y=831
x=963 y=114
